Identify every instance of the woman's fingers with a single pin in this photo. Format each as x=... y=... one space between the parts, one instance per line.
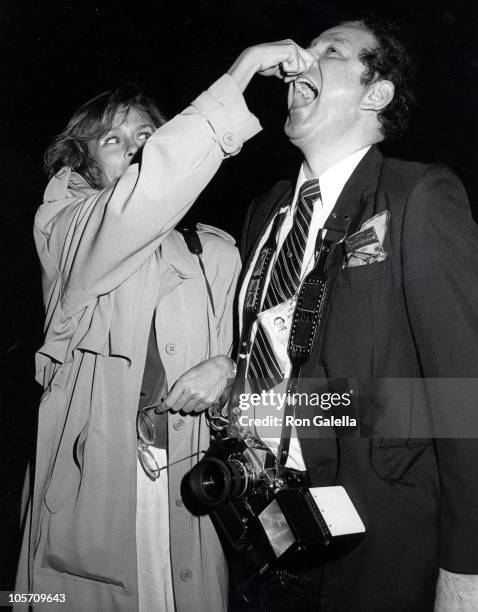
x=200 y=387
x=299 y=61
x=278 y=59
x=284 y=58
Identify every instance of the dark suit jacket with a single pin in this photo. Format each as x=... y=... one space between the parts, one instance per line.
x=413 y=315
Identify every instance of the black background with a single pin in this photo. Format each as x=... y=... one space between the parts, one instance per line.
x=55 y=56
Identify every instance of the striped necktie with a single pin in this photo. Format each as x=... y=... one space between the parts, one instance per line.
x=284 y=283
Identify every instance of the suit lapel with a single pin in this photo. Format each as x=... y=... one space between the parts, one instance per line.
x=321 y=457
x=358 y=190
x=361 y=186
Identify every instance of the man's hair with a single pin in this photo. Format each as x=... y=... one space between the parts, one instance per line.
x=392 y=59
x=93 y=120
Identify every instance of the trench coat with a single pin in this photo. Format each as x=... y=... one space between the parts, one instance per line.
x=110 y=261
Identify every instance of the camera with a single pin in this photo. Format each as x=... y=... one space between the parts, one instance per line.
x=266 y=515
x=230 y=470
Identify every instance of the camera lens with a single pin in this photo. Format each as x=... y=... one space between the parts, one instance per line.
x=207 y=485
x=215 y=482
x=240 y=481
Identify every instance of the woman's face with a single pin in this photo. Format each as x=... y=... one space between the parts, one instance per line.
x=114 y=151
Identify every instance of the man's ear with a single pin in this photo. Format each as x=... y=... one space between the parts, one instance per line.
x=378 y=95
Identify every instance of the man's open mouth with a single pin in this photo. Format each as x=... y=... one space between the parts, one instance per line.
x=306 y=89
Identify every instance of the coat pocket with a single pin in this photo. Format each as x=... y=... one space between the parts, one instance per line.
x=368 y=272
x=392 y=458
x=68 y=441
x=92 y=536
x=66 y=476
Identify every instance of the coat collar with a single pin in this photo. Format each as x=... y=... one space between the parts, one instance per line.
x=361 y=184
x=178 y=257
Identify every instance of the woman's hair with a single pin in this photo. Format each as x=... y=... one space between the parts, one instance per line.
x=92 y=121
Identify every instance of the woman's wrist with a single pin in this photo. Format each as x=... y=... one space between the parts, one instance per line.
x=243 y=69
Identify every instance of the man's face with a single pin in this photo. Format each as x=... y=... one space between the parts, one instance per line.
x=324 y=102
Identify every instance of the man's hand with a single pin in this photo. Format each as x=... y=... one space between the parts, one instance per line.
x=201 y=386
x=283 y=59
x=456 y=592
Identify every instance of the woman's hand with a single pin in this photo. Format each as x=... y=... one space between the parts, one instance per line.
x=283 y=59
x=201 y=386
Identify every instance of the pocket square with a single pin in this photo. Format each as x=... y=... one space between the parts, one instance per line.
x=366 y=246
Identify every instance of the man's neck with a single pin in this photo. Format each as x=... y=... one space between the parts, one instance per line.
x=318 y=160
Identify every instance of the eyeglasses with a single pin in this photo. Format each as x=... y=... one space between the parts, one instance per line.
x=149 y=421
x=150 y=465
x=148 y=461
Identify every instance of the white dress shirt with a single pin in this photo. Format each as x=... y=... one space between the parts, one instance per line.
x=331 y=184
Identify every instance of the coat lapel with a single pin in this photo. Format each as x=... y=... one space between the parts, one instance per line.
x=357 y=191
x=321 y=458
x=352 y=201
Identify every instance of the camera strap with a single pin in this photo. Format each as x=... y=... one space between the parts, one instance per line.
x=193 y=242
x=308 y=322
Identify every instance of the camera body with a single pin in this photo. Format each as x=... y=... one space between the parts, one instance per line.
x=265 y=515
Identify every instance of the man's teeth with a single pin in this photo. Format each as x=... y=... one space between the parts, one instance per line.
x=306 y=89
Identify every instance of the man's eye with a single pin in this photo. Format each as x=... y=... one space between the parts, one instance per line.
x=331 y=50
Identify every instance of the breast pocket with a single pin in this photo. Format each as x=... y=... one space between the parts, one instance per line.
x=358 y=277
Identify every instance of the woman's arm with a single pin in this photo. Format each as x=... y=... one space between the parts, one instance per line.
x=96 y=241
x=99 y=240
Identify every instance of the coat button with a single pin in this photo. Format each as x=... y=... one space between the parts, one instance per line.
x=179 y=502
x=229 y=139
x=178 y=425
x=186 y=575
x=171 y=348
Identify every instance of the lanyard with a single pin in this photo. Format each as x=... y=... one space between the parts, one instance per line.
x=256 y=285
x=252 y=301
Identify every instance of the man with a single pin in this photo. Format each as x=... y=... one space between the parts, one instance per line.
x=402 y=304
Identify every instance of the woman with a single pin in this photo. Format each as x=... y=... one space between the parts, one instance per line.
x=117 y=277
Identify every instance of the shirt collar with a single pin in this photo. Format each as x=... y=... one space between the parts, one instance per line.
x=332 y=181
